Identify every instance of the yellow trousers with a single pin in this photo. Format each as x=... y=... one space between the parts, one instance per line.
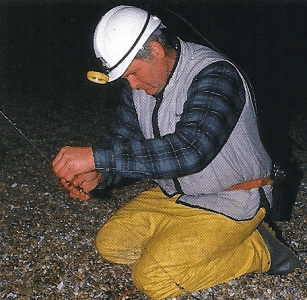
x=175 y=249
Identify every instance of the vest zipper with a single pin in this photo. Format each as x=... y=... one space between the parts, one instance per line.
x=156 y=132
x=155 y=126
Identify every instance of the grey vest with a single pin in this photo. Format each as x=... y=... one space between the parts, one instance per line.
x=242 y=158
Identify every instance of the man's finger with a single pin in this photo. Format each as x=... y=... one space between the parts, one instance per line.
x=60 y=168
x=58 y=156
x=76 y=193
x=65 y=184
x=83 y=178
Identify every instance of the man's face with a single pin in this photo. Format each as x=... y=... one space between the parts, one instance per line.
x=149 y=75
x=146 y=75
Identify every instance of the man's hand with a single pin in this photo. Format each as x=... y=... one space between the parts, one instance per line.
x=82 y=184
x=72 y=161
x=74 y=191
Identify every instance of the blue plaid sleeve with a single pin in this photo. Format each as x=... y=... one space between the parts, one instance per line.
x=214 y=103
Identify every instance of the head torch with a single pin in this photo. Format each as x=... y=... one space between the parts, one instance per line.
x=97 y=77
x=118 y=37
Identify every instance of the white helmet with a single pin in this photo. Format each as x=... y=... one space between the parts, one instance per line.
x=119 y=35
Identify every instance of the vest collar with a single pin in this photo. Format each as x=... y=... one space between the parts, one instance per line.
x=159 y=96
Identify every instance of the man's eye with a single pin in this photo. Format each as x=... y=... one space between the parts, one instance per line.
x=129 y=75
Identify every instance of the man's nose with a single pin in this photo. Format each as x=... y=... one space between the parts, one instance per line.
x=133 y=82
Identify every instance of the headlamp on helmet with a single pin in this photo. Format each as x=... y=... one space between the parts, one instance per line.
x=118 y=37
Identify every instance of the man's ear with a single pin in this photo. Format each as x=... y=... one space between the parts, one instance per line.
x=157 y=50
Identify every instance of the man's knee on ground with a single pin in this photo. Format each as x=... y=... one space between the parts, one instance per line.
x=151 y=278
x=115 y=243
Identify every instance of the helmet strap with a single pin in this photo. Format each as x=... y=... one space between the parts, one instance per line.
x=132 y=47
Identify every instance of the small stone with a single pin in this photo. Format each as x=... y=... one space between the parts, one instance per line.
x=60 y=286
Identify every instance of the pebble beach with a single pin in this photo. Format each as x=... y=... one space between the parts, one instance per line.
x=47 y=240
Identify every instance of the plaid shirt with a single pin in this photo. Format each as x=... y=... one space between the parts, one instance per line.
x=214 y=103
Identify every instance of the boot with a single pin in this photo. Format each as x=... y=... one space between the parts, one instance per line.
x=283 y=260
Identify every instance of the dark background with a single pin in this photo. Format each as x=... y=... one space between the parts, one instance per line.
x=46 y=51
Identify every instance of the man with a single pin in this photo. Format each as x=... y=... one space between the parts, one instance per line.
x=187 y=121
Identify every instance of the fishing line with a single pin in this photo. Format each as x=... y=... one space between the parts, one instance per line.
x=25 y=137
x=33 y=145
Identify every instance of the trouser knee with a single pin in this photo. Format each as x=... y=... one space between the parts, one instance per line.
x=114 y=244
x=155 y=281
x=143 y=280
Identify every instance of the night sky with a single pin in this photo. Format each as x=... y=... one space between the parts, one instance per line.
x=46 y=49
